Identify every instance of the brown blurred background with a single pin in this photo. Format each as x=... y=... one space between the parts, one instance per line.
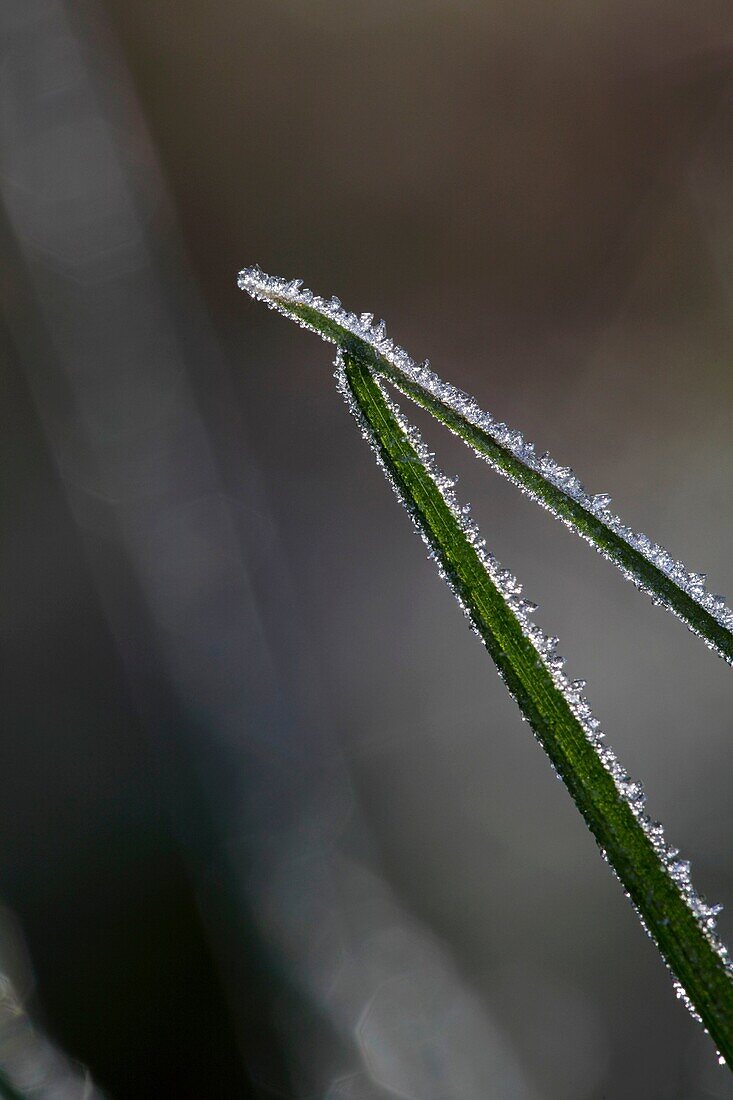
x=270 y=825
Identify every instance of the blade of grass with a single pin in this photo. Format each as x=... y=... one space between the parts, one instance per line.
x=653 y=877
x=648 y=565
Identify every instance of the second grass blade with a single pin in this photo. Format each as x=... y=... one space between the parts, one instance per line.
x=654 y=878
x=651 y=568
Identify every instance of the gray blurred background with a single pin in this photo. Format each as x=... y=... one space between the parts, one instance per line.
x=270 y=825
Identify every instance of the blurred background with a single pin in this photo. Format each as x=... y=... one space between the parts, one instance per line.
x=270 y=825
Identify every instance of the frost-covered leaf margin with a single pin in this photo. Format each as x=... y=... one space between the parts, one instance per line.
x=555 y=487
x=654 y=878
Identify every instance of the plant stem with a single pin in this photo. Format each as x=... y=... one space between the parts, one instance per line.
x=700 y=968
x=648 y=566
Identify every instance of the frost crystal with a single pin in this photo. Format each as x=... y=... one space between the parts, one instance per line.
x=280 y=294
x=283 y=295
x=546 y=646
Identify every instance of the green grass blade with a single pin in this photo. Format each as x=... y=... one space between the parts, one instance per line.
x=649 y=566
x=654 y=878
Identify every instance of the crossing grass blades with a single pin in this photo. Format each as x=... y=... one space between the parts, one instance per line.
x=653 y=875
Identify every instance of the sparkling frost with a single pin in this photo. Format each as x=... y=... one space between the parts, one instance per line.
x=280 y=294
x=546 y=646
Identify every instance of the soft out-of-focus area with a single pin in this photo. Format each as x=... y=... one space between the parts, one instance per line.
x=270 y=825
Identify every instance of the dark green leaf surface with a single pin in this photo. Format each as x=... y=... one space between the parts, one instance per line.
x=656 y=897
x=662 y=588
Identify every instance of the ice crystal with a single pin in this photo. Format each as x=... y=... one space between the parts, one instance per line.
x=284 y=295
x=510 y=588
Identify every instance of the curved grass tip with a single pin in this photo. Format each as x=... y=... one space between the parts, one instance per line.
x=555 y=487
